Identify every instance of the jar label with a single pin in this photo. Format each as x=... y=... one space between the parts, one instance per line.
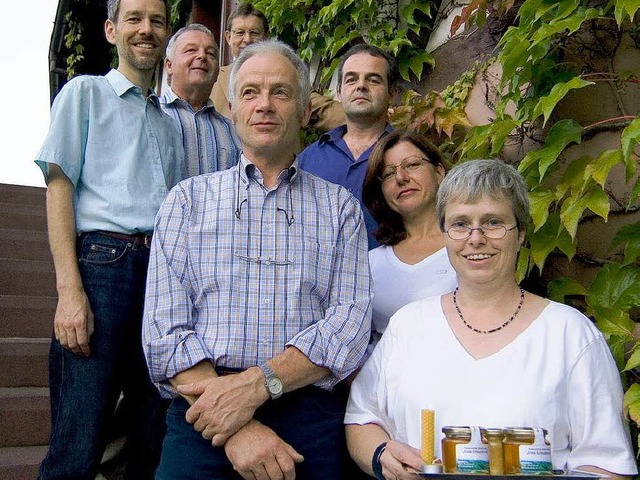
x=535 y=458
x=473 y=457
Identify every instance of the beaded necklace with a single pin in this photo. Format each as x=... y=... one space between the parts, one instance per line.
x=470 y=327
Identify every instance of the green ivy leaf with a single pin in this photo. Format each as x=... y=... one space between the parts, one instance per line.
x=635 y=193
x=562 y=134
x=559 y=288
x=614 y=325
x=540 y=202
x=570 y=23
x=630 y=138
x=617 y=346
x=547 y=103
x=573 y=207
x=573 y=177
x=513 y=56
x=615 y=287
x=632 y=402
x=415 y=64
x=529 y=10
x=624 y=8
x=524 y=261
x=549 y=237
x=599 y=168
x=633 y=361
x=629 y=235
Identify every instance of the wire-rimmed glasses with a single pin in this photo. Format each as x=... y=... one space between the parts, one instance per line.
x=495 y=231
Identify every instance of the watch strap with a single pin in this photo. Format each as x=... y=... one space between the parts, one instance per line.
x=270 y=375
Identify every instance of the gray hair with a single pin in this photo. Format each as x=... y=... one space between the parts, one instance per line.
x=193 y=27
x=272 y=46
x=113 y=8
x=471 y=180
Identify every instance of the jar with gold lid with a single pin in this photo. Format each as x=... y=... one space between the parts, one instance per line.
x=493 y=438
x=463 y=450
x=526 y=451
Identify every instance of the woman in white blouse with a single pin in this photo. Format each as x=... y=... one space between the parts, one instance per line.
x=400 y=190
x=489 y=353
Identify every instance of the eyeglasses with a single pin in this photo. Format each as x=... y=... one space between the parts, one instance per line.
x=253 y=34
x=410 y=166
x=490 y=230
x=264 y=261
x=259 y=259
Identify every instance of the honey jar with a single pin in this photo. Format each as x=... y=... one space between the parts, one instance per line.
x=463 y=450
x=494 y=437
x=526 y=451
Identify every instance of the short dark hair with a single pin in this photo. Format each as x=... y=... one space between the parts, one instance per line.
x=246 y=10
x=113 y=9
x=392 y=67
x=390 y=224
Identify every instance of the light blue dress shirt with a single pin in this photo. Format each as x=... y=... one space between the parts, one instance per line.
x=120 y=151
x=209 y=139
x=237 y=272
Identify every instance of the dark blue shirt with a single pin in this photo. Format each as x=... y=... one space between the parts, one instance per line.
x=331 y=159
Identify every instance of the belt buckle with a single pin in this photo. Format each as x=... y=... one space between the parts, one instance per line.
x=147 y=241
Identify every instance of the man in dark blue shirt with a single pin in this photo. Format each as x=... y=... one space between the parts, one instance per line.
x=367 y=85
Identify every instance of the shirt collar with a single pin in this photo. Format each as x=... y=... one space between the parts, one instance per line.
x=169 y=96
x=122 y=85
x=337 y=133
x=333 y=135
x=249 y=171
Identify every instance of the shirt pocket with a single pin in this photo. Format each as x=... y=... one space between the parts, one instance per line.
x=313 y=275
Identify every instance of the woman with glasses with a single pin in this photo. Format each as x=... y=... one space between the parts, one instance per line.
x=399 y=190
x=488 y=354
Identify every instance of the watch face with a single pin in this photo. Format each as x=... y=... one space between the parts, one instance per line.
x=275 y=386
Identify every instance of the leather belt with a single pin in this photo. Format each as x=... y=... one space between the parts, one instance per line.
x=137 y=239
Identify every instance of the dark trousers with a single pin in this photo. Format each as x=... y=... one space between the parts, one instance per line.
x=309 y=419
x=84 y=390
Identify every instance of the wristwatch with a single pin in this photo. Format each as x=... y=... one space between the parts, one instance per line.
x=271 y=381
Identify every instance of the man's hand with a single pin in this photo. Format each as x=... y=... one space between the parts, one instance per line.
x=73 y=322
x=256 y=452
x=401 y=461
x=224 y=404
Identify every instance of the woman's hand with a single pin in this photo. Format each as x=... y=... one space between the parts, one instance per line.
x=400 y=461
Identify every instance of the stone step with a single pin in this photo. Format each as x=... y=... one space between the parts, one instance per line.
x=27 y=316
x=18 y=277
x=24 y=362
x=24 y=416
x=21 y=463
x=22 y=195
x=24 y=245
x=23 y=217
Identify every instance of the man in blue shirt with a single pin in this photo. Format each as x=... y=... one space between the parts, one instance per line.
x=209 y=139
x=109 y=160
x=368 y=77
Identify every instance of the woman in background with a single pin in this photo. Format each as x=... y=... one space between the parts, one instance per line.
x=400 y=190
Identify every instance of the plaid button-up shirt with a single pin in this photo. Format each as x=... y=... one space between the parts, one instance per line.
x=238 y=272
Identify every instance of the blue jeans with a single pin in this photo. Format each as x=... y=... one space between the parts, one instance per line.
x=309 y=419
x=85 y=390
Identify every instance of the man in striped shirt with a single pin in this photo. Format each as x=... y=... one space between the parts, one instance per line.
x=209 y=139
x=258 y=299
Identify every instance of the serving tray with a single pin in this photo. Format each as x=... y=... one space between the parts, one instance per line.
x=570 y=474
